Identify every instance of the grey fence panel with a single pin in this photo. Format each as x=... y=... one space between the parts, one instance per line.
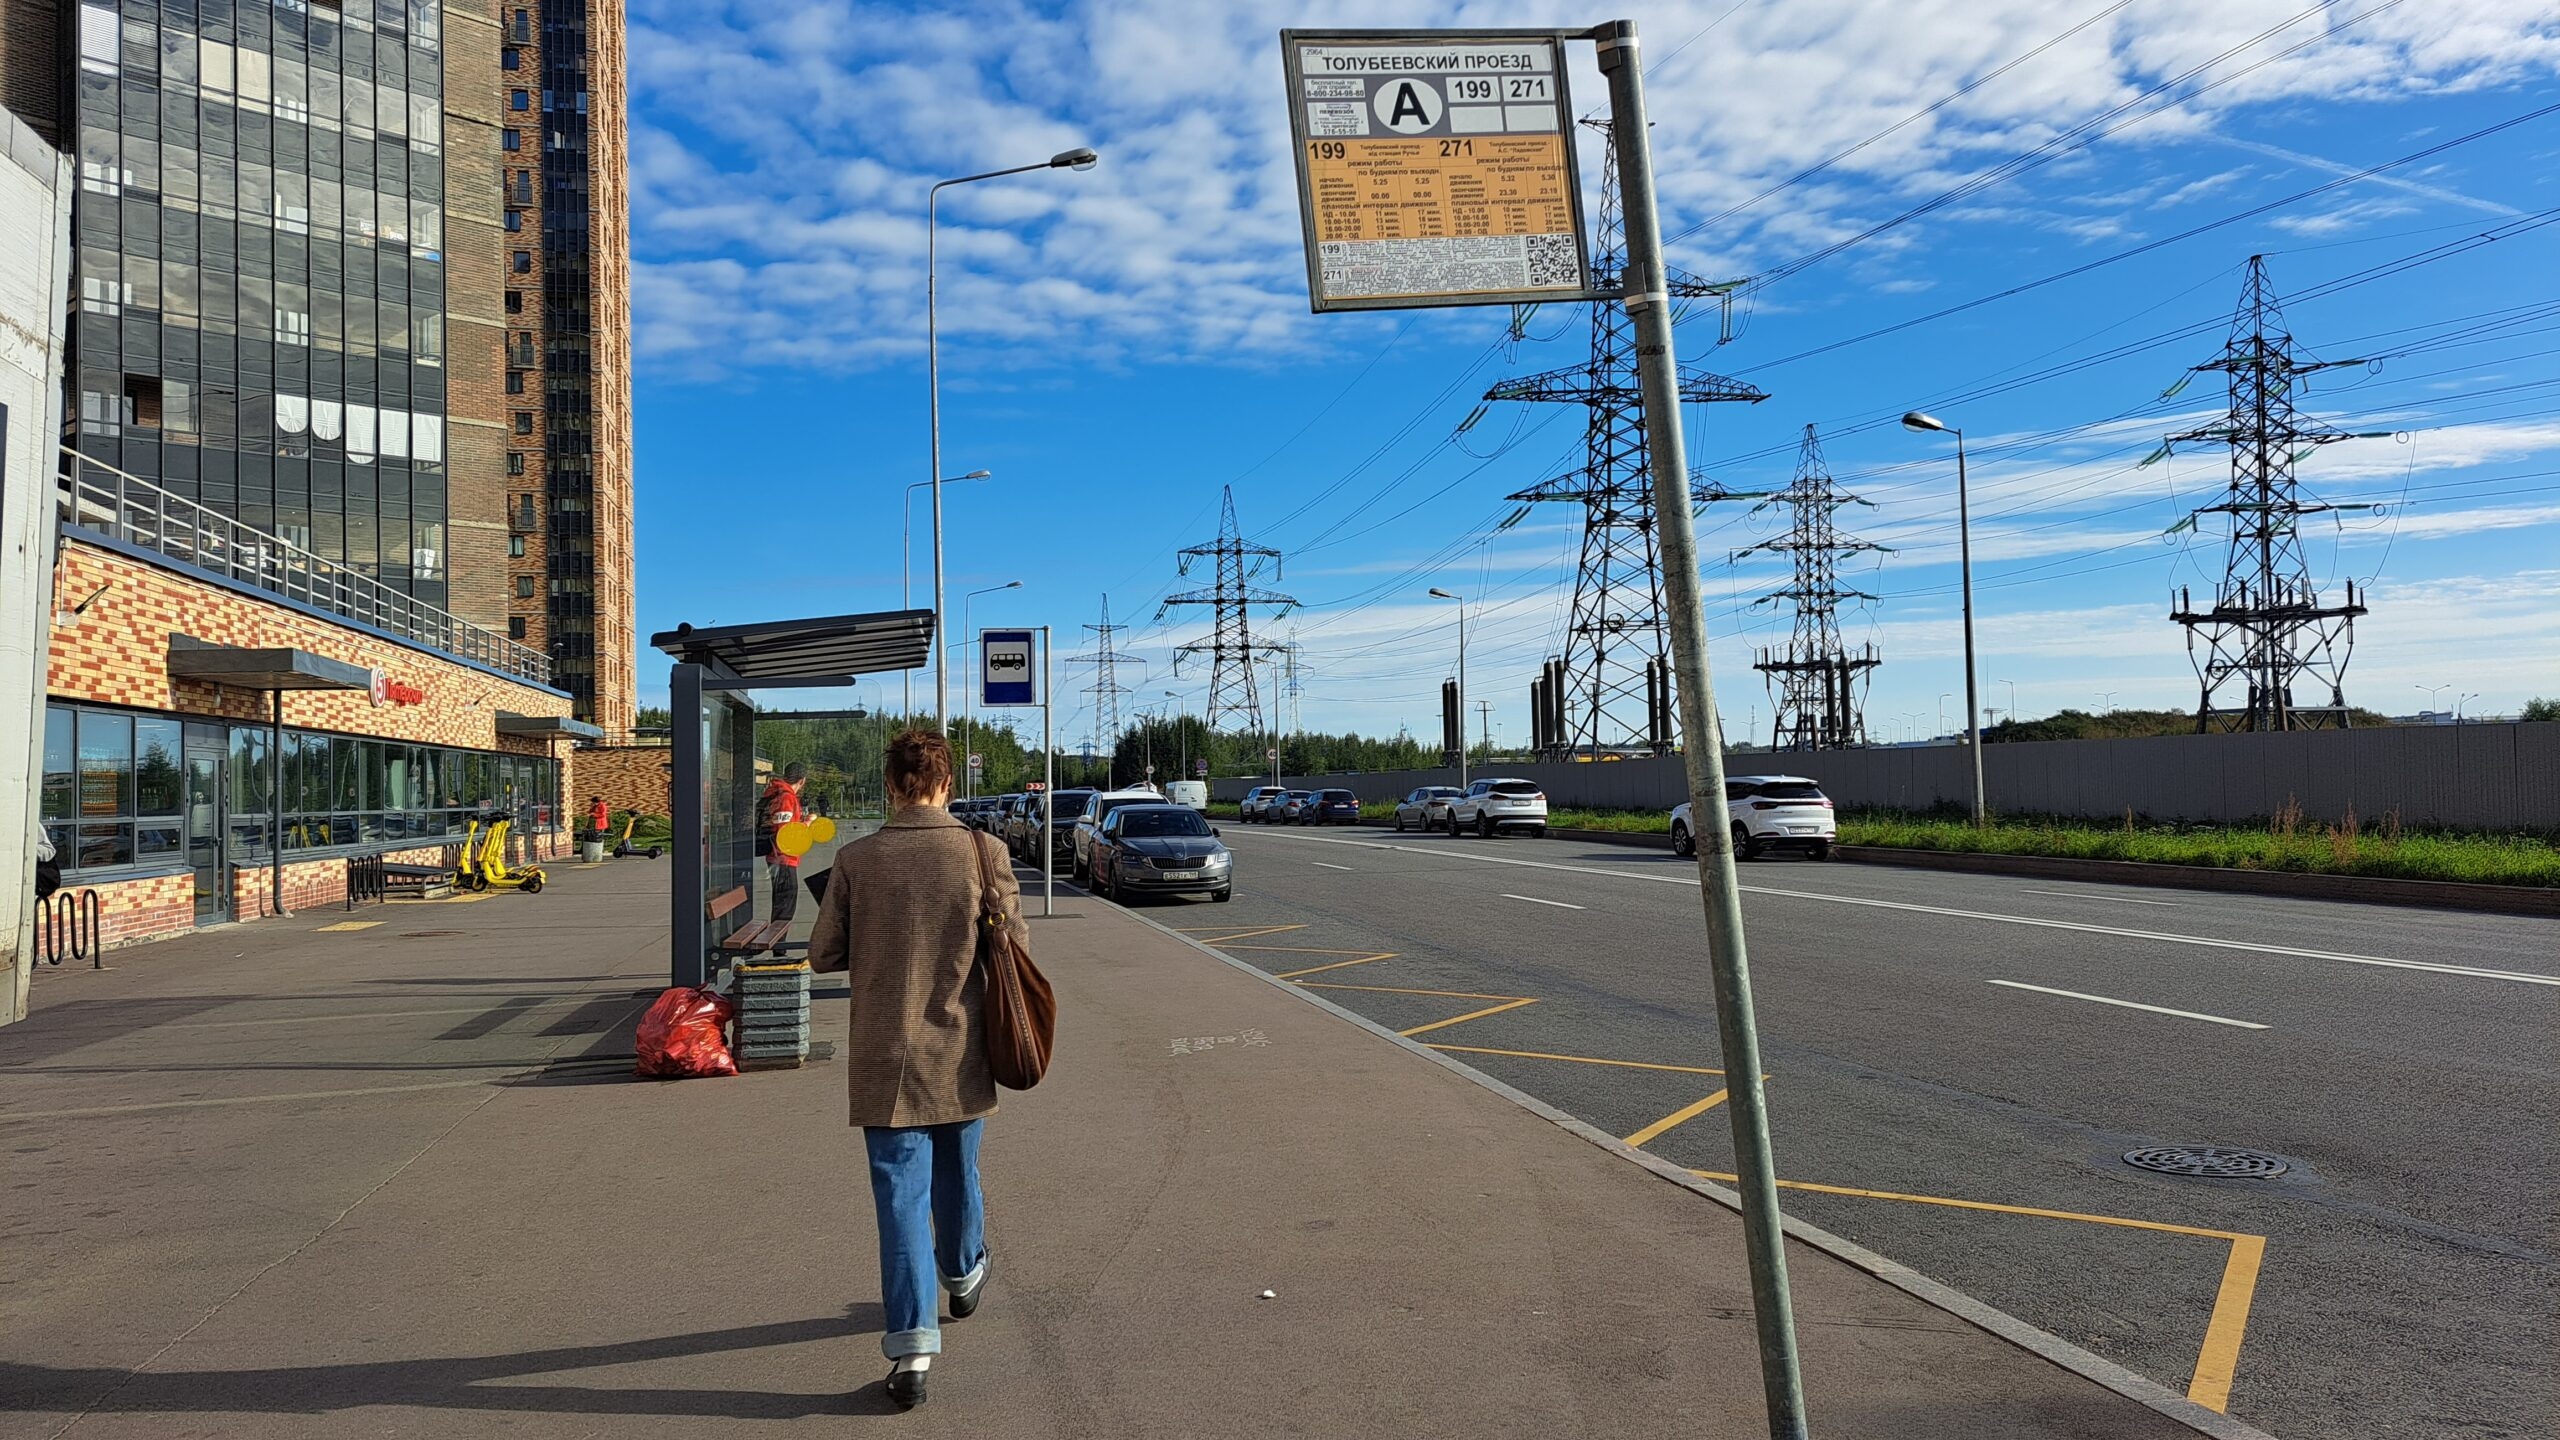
x=2494 y=776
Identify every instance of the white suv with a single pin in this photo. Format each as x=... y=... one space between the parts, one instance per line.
x=1490 y=806
x=1767 y=812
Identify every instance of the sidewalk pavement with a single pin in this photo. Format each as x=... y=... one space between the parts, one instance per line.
x=287 y=1180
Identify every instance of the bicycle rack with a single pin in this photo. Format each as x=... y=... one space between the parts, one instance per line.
x=78 y=916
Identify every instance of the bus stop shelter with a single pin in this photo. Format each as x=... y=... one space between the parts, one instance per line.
x=712 y=792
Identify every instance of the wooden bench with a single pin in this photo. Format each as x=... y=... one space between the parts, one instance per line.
x=756 y=937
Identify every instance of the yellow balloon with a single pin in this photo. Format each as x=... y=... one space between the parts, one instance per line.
x=792 y=838
x=822 y=829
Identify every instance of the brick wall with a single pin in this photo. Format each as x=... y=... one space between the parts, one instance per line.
x=132 y=912
x=476 y=250
x=117 y=653
x=629 y=777
x=609 y=278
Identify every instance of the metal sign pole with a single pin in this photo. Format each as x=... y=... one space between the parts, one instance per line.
x=1048 y=785
x=1648 y=304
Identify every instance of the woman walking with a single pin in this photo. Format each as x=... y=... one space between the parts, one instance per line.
x=901 y=919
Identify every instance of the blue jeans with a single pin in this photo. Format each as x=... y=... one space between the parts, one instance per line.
x=924 y=1184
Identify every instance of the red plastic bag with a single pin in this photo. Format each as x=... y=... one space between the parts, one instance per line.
x=680 y=1036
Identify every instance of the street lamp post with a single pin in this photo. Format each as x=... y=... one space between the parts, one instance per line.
x=969 y=777
x=1943 y=698
x=2461 y=700
x=1182 y=732
x=1079 y=158
x=2013 y=698
x=1914 y=420
x=1438 y=593
x=906 y=553
x=2433 y=704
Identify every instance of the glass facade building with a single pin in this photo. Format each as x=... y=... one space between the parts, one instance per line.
x=262 y=302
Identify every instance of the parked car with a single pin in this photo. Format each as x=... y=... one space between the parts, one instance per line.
x=1018 y=824
x=1426 y=809
x=1291 y=808
x=1489 y=807
x=1767 y=812
x=1257 y=801
x=1097 y=809
x=1065 y=808
x=1332 y=807
x=1160 y=849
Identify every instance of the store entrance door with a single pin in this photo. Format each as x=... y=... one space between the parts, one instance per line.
x=207 y=757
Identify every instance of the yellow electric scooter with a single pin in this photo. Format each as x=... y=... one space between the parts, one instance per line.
x=495 y=874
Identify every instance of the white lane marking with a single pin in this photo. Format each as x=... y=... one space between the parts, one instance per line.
x=1685 y=876
x=1534 y=900
x=1323 y=866
x=2097 y=895
x=2132 y=1005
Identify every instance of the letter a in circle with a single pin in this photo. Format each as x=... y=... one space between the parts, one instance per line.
x=1409 y=107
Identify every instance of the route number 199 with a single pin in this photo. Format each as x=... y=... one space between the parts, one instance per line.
x=1326 y=149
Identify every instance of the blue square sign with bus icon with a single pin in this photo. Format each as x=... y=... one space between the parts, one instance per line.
x=1004 y=668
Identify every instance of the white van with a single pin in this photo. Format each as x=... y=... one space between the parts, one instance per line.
x=1194 y=793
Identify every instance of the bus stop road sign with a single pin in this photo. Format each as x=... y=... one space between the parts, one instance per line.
x=1004 y=668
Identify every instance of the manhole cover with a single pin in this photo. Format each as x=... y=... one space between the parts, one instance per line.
x=2216 y=1161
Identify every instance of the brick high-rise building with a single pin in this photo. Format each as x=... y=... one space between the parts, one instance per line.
x=563 y=187
x=358 y=276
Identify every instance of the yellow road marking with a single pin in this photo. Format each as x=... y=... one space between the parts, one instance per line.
x=1208 y=939
x=345 y=925
x=2210 y=1385
x=1677 y=1117
x=1294 y=950
x=1578 y=1059
x=2220 y=1358
x=1336 y=965
x=1471 y=1015
x=1399 y=990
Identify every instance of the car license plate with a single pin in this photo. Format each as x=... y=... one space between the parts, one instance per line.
x=1182 y=874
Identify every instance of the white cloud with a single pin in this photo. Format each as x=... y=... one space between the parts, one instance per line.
x=782 y=151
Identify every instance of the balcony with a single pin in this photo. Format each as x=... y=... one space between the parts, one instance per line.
x=103 y=499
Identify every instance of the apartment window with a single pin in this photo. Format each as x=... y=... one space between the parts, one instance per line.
x=524 y=422
x=515 y=382
x=515 y=547
x=515 y=627
x=510 y=139
x=515 y=302
x=520 y=187
x=519 y=100
x=523 y=25
x=510 y=58
x=142 y=401
x=515 y=462
x=522 y=516
x=524 y=587
x=515 y=221
x=523 y=262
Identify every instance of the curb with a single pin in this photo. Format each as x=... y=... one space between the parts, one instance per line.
x=2355 y=889
x=2151 y=1394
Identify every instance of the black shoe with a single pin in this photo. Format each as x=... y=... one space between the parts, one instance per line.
x=965 y=1303
x=906 y=1388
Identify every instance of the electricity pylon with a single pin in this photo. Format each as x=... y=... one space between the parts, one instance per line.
x=1234 y=702
x=1106 y=688
x=1815 y=683
x=2267 y=630
x=1615 y=684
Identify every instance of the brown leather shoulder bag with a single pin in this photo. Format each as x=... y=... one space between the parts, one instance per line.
x=1022 y=1011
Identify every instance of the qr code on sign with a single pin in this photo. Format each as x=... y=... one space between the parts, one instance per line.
x=1554 y=260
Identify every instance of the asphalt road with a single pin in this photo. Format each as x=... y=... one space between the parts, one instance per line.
x=1935 y=1099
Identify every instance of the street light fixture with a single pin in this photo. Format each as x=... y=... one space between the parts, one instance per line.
x=2461 y=700
x=906 y=553
x=970 y=779
x=2434 y=706
x=1080 y=158
x=1943 y=698
x=1440 y=594
x=1916 y=421
x=1182 y=731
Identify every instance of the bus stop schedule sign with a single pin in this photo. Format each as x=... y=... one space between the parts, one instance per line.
x=1005 y=679
x=1435 y=168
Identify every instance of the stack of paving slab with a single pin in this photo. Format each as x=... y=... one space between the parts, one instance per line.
x=773 y=1017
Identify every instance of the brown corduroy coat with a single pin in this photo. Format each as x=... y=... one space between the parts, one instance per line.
x=900 y=920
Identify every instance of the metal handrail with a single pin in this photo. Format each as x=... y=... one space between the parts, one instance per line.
x=97 y=496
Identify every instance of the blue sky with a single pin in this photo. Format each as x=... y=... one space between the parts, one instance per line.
x=1119 y=344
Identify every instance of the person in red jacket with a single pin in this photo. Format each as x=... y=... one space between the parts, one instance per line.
x=599 y=816
x=778 y=806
